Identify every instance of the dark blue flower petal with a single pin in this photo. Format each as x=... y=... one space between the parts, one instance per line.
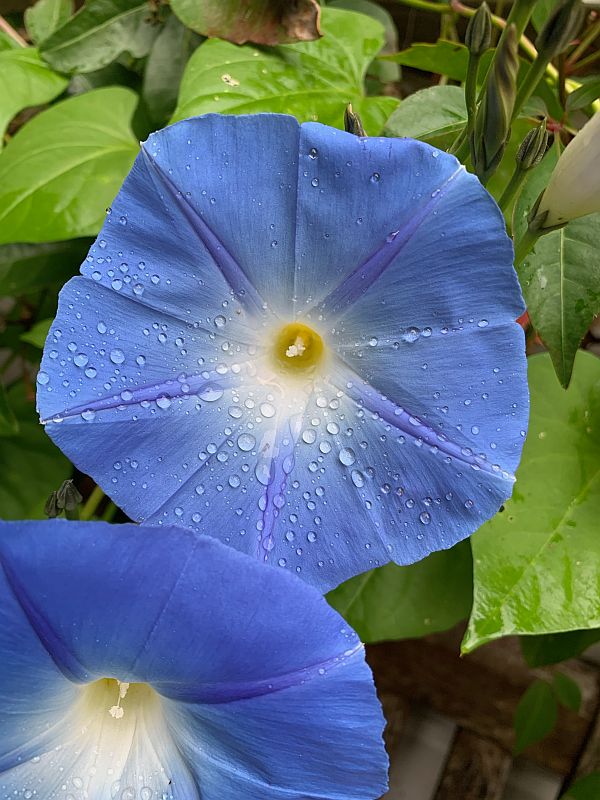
x=239 y=654
x=398 y=259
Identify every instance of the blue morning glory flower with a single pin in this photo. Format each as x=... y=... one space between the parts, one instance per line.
x=157 y=664
x=297 y=340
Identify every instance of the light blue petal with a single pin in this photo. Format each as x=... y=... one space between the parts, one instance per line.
x=206 y=217
x=224 y=640
x=172 y=403
x=266 y=745
x=34 y=692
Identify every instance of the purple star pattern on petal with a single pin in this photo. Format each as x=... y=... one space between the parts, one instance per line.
x=297 y=340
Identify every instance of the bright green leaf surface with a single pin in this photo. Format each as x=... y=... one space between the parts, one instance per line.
x=25 y=81
x=394 y=602
x=7 y=42
x=311 y=80
x=27 y=267
x=98 y=33
x=567 y=691
x=30 y=464
x=37 y=335
x=536 y=715
x=441 y=58
x=537 y=564
x=429 y=114
x=45 y=17
x=61 y=170
x=551 y=648
x=385 y=71
x=585 y=95
x=262 y=21
x=587 y=788
x=560 y=278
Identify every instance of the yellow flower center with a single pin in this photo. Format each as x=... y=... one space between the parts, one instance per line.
x=298 y=348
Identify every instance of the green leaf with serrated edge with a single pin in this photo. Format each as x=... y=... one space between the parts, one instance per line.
x=560 y=278
x=584 y=96
x=37 y=334
x=26 y=268
x=30 y=464
x=587 y=788
x=166 y=62
x=9 y=424
x=552 y=648
x=429 y=114
x=536 y=564
x=45 y=17
x=99 y=32
x=567 y=691
x=25 y=81
x=61 y=170
x=262 y=21
x=536 y=715
x=394 y=602
x=310 y=80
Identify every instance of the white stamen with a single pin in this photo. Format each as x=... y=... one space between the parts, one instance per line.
x=297 y=348
x=116 y=711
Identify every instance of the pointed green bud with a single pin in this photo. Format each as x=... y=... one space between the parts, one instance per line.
x=533 y=147
x=492 y=123
x=479 y=31
x=51 y=509
x=352 y=122
x=68 y=497
x=562 y=26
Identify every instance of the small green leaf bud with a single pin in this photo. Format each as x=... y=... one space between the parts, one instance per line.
x=533 y=147
x=561 y=27
x=51 y=509
x=68 y=497
x=352 y=122
x=492 y=123
x=479 y=31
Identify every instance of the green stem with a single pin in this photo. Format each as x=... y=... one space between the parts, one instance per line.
x=525 y=245
x=512 y=188
x=109 y=512
x=92 y=503
x=427 y=5
x=471 y=92
x=585 y=62
x=592 y=33
x=533 y=77
x=10 y=31
x=72 y=514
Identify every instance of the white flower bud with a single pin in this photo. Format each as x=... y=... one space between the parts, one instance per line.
x=574 y=188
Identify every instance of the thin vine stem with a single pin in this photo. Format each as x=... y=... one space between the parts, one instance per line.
x=10 y=31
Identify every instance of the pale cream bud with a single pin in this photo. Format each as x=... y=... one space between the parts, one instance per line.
x=574 y=188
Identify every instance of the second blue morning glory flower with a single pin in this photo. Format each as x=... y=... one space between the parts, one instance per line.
x=296 y=340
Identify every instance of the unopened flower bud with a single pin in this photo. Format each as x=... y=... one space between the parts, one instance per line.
x=561 y=27
x=68 y=497
x=492 y=123
x=479 y=31
x=352 y=122
x=574 y=187
x=51 y=509
x=533 y=147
